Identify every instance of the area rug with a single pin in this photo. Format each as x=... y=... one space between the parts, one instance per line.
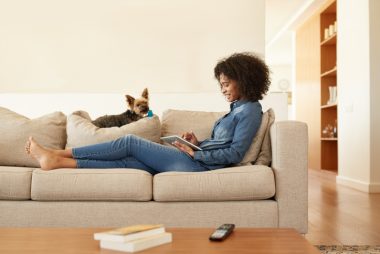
x=349 y=249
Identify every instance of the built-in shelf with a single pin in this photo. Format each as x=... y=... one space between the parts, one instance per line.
x=329 y=139
x=329 y=73
x=329 y=41
x=328 y=77
x=329 y=106
x=332 y=171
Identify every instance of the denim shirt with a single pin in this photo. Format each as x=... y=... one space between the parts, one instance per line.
x=231 y=136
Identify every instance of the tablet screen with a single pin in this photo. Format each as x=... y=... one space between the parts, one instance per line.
x=171 y=139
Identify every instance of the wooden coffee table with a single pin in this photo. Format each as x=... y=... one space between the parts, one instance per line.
x=185 y=240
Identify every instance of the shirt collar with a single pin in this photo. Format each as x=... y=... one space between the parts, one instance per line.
x=237 y=103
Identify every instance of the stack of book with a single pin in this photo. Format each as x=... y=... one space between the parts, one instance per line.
x=133 y=238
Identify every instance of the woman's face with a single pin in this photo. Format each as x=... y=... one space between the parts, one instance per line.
x=230 y=88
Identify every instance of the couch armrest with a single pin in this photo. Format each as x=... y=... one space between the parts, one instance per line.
x=289 y=140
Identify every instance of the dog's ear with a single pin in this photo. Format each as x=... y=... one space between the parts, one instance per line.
x=145 y=94
x=130 y=101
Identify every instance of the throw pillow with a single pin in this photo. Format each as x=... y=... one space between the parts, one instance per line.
x=81 y=132
x=260 y=141
x=176 y=122
x=49 y=130
x=265 y=155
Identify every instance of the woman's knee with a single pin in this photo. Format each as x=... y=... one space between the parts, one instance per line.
x=124 y=139
x=129 y=137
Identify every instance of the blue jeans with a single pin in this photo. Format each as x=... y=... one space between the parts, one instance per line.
x=133 y=152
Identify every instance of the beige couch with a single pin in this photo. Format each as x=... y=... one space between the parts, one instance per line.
x=247 y=195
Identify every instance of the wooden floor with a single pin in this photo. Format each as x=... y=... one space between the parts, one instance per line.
x=341 y=215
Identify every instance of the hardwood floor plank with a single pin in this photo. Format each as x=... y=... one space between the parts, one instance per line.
x=339 y=214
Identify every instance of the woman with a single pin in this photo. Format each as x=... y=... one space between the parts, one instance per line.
x=243 y=78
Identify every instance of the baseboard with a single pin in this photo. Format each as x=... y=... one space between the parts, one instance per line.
x=358 y=185
x=374 y=188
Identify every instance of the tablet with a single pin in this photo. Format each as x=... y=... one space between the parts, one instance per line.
x=171 y=139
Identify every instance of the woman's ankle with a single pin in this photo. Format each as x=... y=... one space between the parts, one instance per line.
x=66 y=153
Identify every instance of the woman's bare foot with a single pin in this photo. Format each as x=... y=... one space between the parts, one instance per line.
x=47 y=159
x=67 y=153
x=27 y=147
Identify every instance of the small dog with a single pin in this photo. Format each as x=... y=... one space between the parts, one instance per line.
x=138 y=109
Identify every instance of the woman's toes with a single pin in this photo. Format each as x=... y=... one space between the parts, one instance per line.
x=27 y=147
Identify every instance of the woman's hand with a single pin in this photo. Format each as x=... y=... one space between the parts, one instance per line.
x=190 y=136
x=184 y=148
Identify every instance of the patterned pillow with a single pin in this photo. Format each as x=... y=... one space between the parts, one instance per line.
x=48 y=130
x=81 y=132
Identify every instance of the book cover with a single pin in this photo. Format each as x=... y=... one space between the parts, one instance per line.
x=130 y=233
x=139 y=244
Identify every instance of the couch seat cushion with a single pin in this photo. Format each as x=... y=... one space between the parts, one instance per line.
x=237 y=183
x=92 y=184
x=15 y=183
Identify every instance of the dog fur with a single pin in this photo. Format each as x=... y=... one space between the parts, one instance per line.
x=138 y=109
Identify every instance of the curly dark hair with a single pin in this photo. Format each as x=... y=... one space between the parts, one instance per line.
x=249 y=71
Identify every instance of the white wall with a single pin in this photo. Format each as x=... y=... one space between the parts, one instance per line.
x=374 y=7
x=355 y=111
x=118 y=46
x=280 y=52
x=279 y=73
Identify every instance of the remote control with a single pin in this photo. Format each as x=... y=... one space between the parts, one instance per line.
x=222 y=232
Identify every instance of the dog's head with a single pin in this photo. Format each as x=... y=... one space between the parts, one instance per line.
x=141 y=105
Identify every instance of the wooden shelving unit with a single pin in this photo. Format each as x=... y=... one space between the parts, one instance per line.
x=329 y=106
x=329 y=73
x=329 y=139
x=330 y=41
x=329 y=145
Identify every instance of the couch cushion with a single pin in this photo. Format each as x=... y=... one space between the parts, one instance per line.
x=15 y=183
x=92 y=184
x=237 y=183
x=265 y=152
x=260 y=146
x=176 y=122
x=81 y=132
x=48 y=130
